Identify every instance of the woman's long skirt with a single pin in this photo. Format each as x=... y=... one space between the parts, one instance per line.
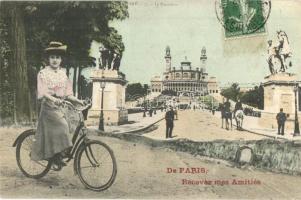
x=52 y=134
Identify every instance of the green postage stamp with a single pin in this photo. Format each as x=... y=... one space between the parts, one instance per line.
x=243 y=17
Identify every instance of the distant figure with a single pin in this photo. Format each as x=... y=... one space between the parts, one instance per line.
x=169 y=118
x=281 y=118
x=144 y=112
x=151 y=111
x=238 y=106
x=227 y=113
x=227 y=105
x=222 y=109
x=238 y=114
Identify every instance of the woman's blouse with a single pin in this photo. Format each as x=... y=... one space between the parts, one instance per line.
x=53 y=82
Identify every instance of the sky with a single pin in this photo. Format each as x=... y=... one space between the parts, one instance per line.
x=187 y=26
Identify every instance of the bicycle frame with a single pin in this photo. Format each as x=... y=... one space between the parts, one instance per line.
x=79 y=140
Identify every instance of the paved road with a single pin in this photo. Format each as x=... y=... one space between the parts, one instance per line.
x=142 y=173
x=201 y=126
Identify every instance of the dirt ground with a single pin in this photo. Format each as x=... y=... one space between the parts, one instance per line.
x=142 y=173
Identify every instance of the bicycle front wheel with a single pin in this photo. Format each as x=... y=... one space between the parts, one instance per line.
x=30 y=168
x=96 y=165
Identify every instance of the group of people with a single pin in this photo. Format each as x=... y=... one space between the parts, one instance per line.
x=226 y=114
x=151 y=111
x=109 y=59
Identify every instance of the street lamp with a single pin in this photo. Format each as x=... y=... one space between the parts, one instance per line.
x=101 y=119
x=296 y=131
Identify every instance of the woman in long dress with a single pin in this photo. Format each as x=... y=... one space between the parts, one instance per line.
x=53 y=138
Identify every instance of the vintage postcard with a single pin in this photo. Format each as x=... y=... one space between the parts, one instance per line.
x=150 y=99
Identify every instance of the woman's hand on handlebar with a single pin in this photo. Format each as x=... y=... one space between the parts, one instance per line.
x=75 y=100
x=82 y=103
x=58 y=101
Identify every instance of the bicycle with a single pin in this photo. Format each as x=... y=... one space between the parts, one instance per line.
x=89 y=155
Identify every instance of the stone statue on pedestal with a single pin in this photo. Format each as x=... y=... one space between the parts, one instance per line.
x=104 y=54
x=279 y=53
x=116 y=63
x=109 y=59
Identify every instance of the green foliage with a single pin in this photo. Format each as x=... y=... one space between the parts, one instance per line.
x=209 y=101
x=135 y=91
x=76 y=24
x=232 y=92
x=253 y=97
x=6 y=91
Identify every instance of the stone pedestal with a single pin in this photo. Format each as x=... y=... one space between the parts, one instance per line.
x=114 y=109
x=279 y=93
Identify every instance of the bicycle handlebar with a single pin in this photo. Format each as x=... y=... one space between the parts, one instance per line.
x=74 y=107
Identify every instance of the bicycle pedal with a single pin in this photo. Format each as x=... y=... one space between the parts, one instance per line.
x=56 y=167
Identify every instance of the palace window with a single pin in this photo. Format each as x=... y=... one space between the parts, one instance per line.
x=177 y=75
x=193 y=75
x=185 y=75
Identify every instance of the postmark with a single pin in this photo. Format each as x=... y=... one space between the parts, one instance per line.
x=243 y=17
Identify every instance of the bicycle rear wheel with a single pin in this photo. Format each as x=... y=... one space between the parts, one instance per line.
x=96 y=165
x=30 y=168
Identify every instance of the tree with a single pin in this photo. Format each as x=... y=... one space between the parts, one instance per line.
x=232 y=92
x=77 y=24
x=18 y=72
x=6 y=97
x=33 y=24
x=254 y=97
x=135 y=90
x=210 y=102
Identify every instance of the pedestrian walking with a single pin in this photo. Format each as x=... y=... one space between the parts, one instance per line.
x=281 y=118
x=151 y=112
x=169 y=118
